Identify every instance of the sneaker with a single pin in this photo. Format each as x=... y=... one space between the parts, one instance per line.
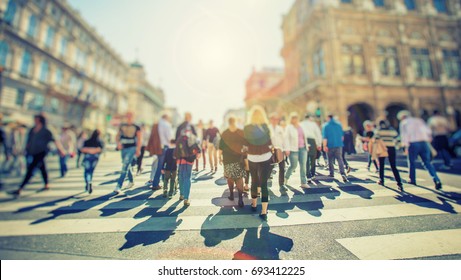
x=231 y=197
x=380 y=183
x=90 y=188
x=400 y=185
x=313 y=178
x=130 y=185
x=438 y=185
x=345 y=180
x=117 y=189
x=86 y=187
x=181 y=197
x=349 y=170
x=186 y=203
x=263 y=217
x=309 y=181
x=412 y=183
x=304 y=186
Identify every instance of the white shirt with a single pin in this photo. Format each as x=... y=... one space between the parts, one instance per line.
x=278 y=137
x=312 y=131
x=292 y=139
x=414 y=130
x=260 y=158
x=164 y=132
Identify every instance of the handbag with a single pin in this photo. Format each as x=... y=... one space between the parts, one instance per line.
x=277 y=156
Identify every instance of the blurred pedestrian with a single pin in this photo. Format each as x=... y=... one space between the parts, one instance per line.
x=231 y=155
x=81 y=138
x=440 y=131
x=159 y=141
x=145 y=140
x=68 y=142
x=92 y=148
x=129 y=138
x=38 y=139
x=296 y=149
x=170 y=171
x=201 y=138
x=333 y=144
x=416 y=138
x=278 y=138
x=368 y=127
x=348 y=148
x=187 y=150
x=19 y=149
x=314 y=141
x=257 y=136
x=212 y=139
x=384 y=144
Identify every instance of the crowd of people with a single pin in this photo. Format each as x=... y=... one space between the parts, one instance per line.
x=250 y=151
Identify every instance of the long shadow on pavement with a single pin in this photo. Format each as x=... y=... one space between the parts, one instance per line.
x=135 y=197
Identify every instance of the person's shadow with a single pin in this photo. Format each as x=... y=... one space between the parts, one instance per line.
x=159 y=227
x=280 y=204
x=310 y=200
x=357 y=190
x=427 y=203
x=133 y=198
x=260 y=244
x=76 y=207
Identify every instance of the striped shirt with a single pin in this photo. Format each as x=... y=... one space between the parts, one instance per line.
x=389 y=136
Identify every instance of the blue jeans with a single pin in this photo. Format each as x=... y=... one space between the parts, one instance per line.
x=422 y=150
x=335 y=154
x=185 y=173
x=157 y=168
x=295 y=158
x=63 y=164
x=127 y=157
x=89 y=163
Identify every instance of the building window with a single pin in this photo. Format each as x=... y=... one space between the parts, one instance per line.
x=54 y=105
x=410 y=4
x=319 y=63
x=10 y=12
x=353 y=62
x=388 y=61
x=379 y=3
x=452 y=64
x=26 y=66
x=4 y=53
x=20 y=96
x=441 y=6
x=32 y=31
x=63 y=47
x=59 y=76
x=37 y=102
x=44 y=72
x=49 y=37
x=421 y=63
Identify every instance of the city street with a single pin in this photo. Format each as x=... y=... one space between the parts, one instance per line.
x=330 y=220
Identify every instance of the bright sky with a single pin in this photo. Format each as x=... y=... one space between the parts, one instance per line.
x=199 y=51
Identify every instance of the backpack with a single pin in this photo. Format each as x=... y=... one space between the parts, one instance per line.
x=186 y=145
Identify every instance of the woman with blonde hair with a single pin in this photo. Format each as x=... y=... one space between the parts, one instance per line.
x=257 y=136
x=296 y=149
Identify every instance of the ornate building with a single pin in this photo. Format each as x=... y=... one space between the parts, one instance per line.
x=52 y=61
x=369 y=59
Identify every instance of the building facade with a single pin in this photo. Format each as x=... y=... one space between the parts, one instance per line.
x=369 y=59
x=144 y=100
x=53 y=62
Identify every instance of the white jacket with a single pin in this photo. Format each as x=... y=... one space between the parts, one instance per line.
x=312 y=130
x=292 y=138
x=278 y=137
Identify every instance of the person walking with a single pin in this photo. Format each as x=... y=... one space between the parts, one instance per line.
x=440 y=132
x=129 y=138
x=158 y=144
x=297 y=149
x=278 y=138
x=201 y=136
x=91 y=149
x=38 y=139
x=348 y=148
x=383 y=145
x=416 y=136
x=333 y=144
x=231 y=155
x=169 y=171
x=186 y=152
x=314 y=141
x=82 y=137
x=68 y=142
x=368 y=127
x=212 y=140
x=257 y=136
x=144 y=142
x=19 y=149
